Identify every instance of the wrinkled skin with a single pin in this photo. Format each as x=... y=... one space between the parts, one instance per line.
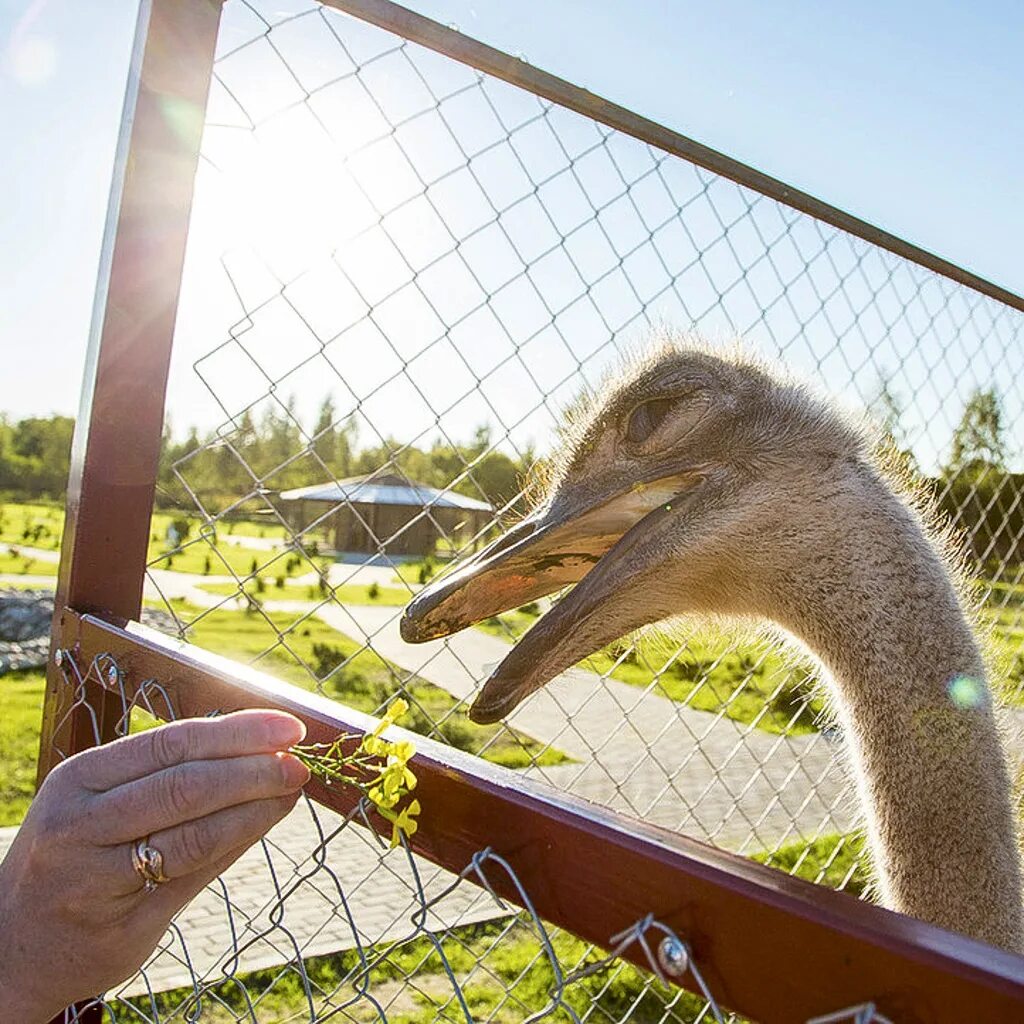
x=74 y=920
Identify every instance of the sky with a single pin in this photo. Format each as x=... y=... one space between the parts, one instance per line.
x=905 y=114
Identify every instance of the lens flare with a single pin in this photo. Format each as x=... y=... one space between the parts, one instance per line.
x=966 y=692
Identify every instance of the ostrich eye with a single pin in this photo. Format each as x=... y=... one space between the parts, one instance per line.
x=646 y=418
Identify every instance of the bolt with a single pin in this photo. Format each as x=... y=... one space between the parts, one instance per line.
x=673 y=956
x=58 y=657
x=112 y=675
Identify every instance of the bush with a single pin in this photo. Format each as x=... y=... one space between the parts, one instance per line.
x=207 y=565
x=182 y=527
x=790 y=705
x=326 y=659
x=260 y=585
x=373 y=591
x=279 y=582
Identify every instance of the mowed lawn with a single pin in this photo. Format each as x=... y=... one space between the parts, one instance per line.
x=292 y=590
x=35 y=525
x=21 y=711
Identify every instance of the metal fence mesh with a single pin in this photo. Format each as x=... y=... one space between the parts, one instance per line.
x=451 y=260
x=323 y=921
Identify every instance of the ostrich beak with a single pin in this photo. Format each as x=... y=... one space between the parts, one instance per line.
x=551 y=549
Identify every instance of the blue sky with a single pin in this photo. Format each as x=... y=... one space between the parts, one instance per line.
x=905 y=114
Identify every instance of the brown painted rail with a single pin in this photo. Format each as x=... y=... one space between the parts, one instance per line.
x=119 y=425
x=452 y=43
x=596 y=872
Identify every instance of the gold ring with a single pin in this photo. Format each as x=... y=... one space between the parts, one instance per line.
x=148 y=862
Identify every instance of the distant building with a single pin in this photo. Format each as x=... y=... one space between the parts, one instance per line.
x=367 y=513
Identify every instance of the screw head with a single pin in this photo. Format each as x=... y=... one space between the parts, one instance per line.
x=673 y=956
x=112 y=675
x=58 y=657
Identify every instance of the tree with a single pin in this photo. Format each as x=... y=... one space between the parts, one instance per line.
x=887 y=408
x=978 y=440
x=334 y=445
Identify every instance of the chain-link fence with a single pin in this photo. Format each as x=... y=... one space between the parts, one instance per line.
x=323 y=921
x=401 y=272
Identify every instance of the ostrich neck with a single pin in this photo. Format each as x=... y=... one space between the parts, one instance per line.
x=880 y=611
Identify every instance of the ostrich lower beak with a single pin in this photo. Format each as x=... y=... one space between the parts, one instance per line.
x=548 y=551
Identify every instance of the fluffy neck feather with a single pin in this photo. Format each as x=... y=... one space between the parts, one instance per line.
x=879 y=609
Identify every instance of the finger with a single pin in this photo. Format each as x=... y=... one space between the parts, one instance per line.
x=192 y=790
x=194 y=739
x=197 y=845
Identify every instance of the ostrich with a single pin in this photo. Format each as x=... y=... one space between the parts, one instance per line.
x=700 y=483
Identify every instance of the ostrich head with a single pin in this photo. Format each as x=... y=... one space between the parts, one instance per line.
x=659 y=503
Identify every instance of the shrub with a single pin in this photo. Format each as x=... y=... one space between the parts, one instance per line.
x=790 y=705
x=182 y=527
x=206 y=566
x=279 y=582
x=326 y=657
x=458 y=731
x=260 y=585
x=373 y=592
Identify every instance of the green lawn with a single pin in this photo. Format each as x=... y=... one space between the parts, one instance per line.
x=349 y=593
x=312 y=653
x=200 y=556
x=40 y=526
x=24 y=565
x=21 y=709
x=419 y=572
x=34 y=525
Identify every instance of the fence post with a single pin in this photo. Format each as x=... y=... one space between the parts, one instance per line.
x=118 y=430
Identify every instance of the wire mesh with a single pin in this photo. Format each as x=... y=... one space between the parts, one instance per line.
x=322 y=920
x=400 y=273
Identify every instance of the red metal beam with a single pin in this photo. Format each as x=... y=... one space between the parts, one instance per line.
x=772 y=947
x=120 y=420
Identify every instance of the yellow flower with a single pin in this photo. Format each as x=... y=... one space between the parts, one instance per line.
x=405 y=821
x=393 y=714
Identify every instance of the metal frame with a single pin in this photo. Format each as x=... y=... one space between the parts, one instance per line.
x=589 y=870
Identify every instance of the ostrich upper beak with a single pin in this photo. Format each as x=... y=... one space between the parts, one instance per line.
x=557 y=545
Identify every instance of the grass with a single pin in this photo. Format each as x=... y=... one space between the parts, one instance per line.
x=422 y=571
x=19 y=564
x=349 y=593
x=41 y=526
x=21 y=712
x=499 y=966
x=32 y=525
x=745 y=682
x=312 y=653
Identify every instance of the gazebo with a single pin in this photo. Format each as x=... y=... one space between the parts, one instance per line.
x=384 y=513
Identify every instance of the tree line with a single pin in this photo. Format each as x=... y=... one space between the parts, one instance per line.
x=274 y=452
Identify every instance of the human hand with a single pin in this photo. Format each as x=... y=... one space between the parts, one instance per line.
x=74 y=917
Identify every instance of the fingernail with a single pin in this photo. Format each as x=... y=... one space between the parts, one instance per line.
x=293 y=771
x=284 y=732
